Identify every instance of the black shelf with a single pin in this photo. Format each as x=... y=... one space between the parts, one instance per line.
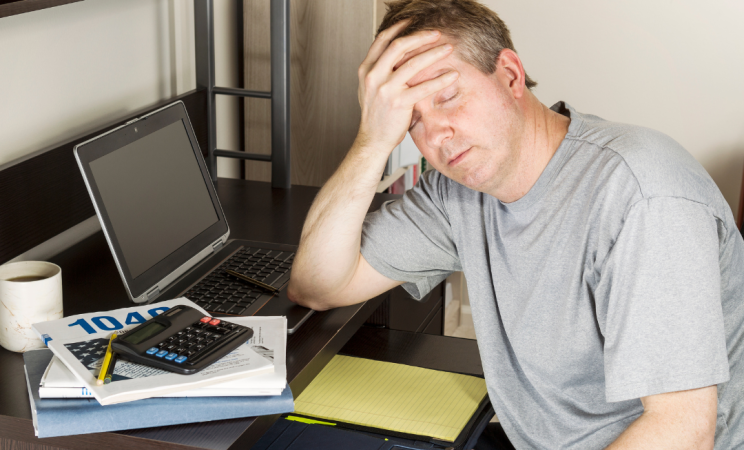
x=14 y=7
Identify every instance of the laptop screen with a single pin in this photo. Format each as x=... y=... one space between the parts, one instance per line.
x=155 y=196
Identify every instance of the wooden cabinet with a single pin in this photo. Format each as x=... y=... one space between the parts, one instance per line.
x=328 y=41
x=399 y=311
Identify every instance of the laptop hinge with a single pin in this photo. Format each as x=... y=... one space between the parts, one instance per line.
x=217 y=246
x=154 y=292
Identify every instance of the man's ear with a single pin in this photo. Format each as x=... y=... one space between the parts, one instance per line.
x=510 y=72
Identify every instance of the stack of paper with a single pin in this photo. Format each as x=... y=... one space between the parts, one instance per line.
x=255 y=370
x=394 y=397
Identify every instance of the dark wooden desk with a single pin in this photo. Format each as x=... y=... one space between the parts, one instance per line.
x=91 y=283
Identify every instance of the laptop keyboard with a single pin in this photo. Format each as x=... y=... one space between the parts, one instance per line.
x=219 y=292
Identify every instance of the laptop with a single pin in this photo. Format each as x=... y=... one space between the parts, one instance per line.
x=166 y=229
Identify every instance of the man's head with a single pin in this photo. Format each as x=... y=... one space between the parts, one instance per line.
x=487 y=131
x=479 y=34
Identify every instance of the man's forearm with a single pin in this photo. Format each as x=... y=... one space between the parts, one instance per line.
x=331 y=237
x=328 y=270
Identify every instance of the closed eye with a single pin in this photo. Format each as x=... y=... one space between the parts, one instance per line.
x=450 y=98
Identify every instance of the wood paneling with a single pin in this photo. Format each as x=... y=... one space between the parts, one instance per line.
x=328 y=41
x=7 y=444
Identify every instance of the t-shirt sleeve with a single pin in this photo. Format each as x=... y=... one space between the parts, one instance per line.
x=410 y=239
x=660 y=295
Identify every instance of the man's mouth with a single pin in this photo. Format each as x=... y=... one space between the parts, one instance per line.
x=457 y=158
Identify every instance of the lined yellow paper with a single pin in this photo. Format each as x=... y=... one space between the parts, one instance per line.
x=392 y=396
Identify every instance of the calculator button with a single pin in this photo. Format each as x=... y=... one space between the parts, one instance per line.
x=189 y=352
x=180 y=359
x=171 y=347
x=209 y=341
x=206 y=334
x=171 y=356
x=187 y=329
x=200 y=347
x=190 y=336
x=206 y=319
x=199 y=339
x=161 y=353
x=179 y=350
x=215 y=322
x=152 y=350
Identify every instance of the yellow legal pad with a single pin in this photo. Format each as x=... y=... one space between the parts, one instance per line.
x=394 y=397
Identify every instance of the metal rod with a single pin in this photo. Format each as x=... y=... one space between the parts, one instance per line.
x=241 y=155
x=204 y=50
x=241 y=92
x=280 y=151
x=240 y=17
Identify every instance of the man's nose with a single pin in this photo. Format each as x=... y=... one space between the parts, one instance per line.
x=438 y=131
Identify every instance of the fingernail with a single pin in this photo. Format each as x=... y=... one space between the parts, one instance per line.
x=434 y=32
x=447 y=47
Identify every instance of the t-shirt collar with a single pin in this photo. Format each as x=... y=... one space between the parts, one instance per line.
x=554 y=165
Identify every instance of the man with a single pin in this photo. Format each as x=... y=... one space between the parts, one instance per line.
x=604 y=267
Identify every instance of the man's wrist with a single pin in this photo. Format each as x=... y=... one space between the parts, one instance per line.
x=375 y=153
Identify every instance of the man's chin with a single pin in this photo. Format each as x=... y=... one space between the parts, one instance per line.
x=472 y=180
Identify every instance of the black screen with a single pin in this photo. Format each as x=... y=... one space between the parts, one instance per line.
x=143 y=333
x=155 y=196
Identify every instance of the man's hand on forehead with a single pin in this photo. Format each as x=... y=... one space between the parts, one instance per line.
x=385 y=95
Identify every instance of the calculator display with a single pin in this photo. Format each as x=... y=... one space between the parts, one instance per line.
x=144 y=333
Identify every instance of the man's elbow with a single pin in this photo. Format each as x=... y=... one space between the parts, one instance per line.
x=299 y=296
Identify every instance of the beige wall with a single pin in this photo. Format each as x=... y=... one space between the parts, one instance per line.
x=67 y=70
x=675 y=66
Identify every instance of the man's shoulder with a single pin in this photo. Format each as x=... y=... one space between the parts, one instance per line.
x=659 y=164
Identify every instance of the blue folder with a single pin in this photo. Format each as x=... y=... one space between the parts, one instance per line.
x=64 y=417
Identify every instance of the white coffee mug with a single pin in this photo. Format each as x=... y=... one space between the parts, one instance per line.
x=30 y=292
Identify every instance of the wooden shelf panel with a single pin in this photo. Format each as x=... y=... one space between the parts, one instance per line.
x=13 y=8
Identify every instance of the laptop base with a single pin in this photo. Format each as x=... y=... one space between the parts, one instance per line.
x=276 y=305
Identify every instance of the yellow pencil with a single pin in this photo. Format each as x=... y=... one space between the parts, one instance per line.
x=106 y=361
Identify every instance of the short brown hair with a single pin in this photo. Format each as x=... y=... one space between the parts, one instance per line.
x=481 y=35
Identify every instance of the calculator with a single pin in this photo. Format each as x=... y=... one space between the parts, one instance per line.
x=181 y=340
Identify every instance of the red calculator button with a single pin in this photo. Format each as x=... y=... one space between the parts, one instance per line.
x=214 y=322
x=205 y=319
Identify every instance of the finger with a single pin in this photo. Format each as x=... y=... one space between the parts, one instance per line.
x=383 y=40
x=413 y=95
x=400 y=46
x=413 y=66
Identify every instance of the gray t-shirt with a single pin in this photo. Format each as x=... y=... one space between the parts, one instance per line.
x=619 y=275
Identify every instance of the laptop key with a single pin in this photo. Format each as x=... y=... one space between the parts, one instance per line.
x=237 y=310
x=272 y=278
